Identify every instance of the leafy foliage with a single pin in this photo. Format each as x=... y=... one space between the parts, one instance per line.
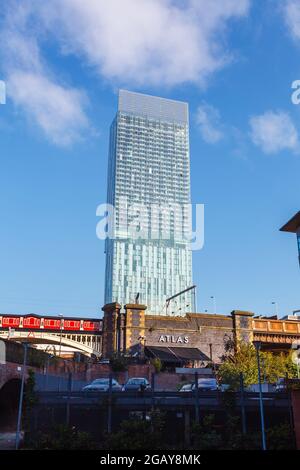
x=157 y=364
x=118 y=363
x=280 y=438
x=30 y=399
x=64 y=438
x=138 y=434
x=243 y=360
x=210 y=436
x=205 y=436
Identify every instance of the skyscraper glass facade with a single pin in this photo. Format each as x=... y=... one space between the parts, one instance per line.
x=149 y=187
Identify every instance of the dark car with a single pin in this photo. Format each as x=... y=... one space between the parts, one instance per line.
x=102 y=385
x=205 y=385
x=136 y=383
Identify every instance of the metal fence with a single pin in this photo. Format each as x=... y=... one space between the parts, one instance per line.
x=57 y=383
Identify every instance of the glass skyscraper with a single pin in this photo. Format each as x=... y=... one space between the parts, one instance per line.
x=149 y=187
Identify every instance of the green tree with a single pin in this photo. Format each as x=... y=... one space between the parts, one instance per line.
x=157 y=364
x=118 y=363
x=30 y=399
x=243 y=359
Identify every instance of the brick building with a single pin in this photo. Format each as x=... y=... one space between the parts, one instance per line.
x=194 y=339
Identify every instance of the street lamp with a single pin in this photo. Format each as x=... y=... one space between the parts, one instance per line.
x=61 y=327
x=214 y=303
x=21 y=397
x=275 y=307
x=257 y=345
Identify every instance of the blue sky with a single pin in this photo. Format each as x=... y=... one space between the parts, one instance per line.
x=63 y=61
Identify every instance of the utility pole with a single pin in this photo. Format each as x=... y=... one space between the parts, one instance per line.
x=21 y=397
x=257 y=345
x=61 y=328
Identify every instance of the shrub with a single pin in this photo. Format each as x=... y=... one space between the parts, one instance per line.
x=157 y=364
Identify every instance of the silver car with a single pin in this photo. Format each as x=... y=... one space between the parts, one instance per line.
x=102 y=385
x=204 y=385
x=186 y=387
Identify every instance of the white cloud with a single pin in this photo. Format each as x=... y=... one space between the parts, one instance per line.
x=274 y=132
x=292 y=17
x=209 y=123
x=145 y=41
x=127 y=42
x=57 y=109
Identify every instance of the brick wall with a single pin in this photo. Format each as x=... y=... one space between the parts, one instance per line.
x=167 y=381
x=11 y=371
x=98 y=371
x=208 y=333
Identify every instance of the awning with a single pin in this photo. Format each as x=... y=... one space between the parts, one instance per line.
x=175 y=355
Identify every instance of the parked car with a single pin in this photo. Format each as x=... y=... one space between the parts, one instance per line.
x=265 y=388
x=136 y=383
x=209 y=384
x=102 y=385
x=224 y=387
x=206 y=385
x=186 y=387
x=280 y=385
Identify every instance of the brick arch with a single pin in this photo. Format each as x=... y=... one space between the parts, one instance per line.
x=10 y=371
x=9 y=399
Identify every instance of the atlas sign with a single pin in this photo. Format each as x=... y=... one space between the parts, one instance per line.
x=173 y=339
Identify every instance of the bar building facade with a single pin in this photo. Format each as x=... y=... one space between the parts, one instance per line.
x=195 y=339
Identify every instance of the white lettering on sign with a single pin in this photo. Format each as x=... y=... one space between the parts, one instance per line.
x=173 y=339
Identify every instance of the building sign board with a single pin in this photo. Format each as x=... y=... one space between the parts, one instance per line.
x=173 y=339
